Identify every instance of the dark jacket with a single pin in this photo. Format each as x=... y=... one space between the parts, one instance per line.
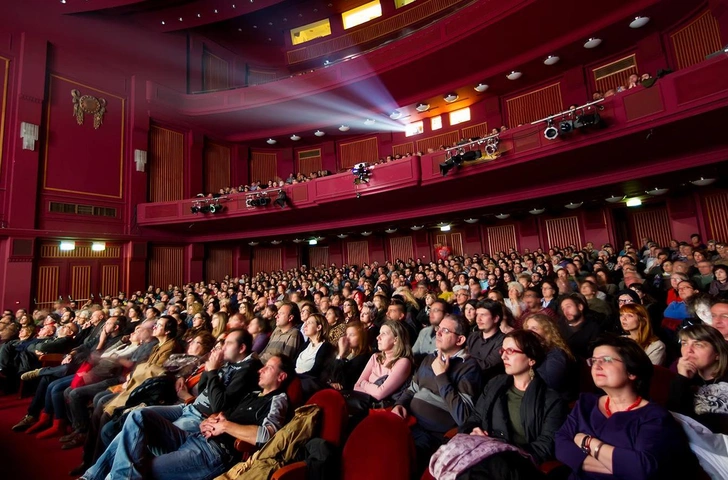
x=543 y=412
x=682 y=400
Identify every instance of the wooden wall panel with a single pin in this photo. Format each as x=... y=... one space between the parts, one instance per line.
x=479 y=130
x=110 y=279
x=357 y=253
x=616 y=78
x=266 y=260
x=534 y=105
x=309 y=161
x=219 y=262
x=166 y=265
x=215 y=72
x=80 y=282
x=501 y=238
x=456 y=242
x=692 y=43
x=652 y=224
x=366 y=150
x=47 y=291
x=263 y=166
x=318 y=256
x=447 y=139
x=403 y=149
x=216 y=167
x=166 y=165
x=401 y=247
x=716 y=208
x=561 y=232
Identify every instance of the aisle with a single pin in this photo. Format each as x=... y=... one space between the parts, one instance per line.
x=22 y=456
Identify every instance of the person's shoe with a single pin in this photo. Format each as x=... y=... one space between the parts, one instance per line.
x=24 y=424
x=77 y=441
x=43 y=422
x=79 y=470
x=30 y=375
x=58 y=429
x=69 y=437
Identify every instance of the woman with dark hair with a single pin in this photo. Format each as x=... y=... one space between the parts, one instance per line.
x=550 y=292
x=312 y=359
x=200 y=323
x=719 y=286
x=469 y=313
x=446 y=292
x=337 y=327
x=519 y=409
x=622 y=433
x=261 y=331
x=353 y=353
x=351 y=310
x=700 y=390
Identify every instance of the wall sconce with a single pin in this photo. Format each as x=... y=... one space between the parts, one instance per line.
x=29 y=134
x=67 y=245
x=140 y=158
x=98 y=246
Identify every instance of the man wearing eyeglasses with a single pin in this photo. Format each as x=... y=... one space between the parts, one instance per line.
x=443 y=390
x=426 y=340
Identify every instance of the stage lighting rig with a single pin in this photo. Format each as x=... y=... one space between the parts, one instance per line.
x=362 y=173
x=282 y=199
x=575 y=118
x=469 y=151
x=208 y=205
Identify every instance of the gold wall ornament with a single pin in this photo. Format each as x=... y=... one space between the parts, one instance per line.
x=86 y=104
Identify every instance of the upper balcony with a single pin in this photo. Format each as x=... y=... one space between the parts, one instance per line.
x=674 y=126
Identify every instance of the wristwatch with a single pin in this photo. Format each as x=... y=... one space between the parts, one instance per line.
x=585 y=444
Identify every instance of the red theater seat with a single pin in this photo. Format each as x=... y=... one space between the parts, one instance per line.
x=660 y=385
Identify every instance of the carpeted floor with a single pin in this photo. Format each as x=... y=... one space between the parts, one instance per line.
x=22 y=457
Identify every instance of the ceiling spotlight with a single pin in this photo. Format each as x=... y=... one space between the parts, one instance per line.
x=634 y=202
x=344 y=128
x=445 y=227
x=342 y=235
x=573 y=206
x=551 y=132
x=614 y=199
x=270 y=141
x=319 y=238
x=502 y=216
x=551 y=60
x=536 y=211
x=275 y=242
x=481 y=87
x=313 y=241
x=416 y=228
x=390 y=230
x=369 y=121
x=327 y=62
x=366 y=234
x=422 y=107
x=164 y=23
x=514 y=75
x=319 y=133
x=657 y=191
x=702 y=182
x=295 y=137
x=395 y=115
x=297 y=240
x=253 y=244
x=180 y=19
x=471 y=220
x=450 y=97
x=593 y=42
x=639 y=22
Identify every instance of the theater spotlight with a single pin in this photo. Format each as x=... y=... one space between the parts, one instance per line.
x=566 y=126
x=458 y=160
x=195 y=208
x=205 y=209
x=264 y=201
x=216 y=208
x=491 y=146
x=587 y=120
x=282 y=200
x=551 y=132
x=361 y=172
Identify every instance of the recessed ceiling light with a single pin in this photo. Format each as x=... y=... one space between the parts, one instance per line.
x=344 y=128
x=481 y=87
x=297 y=240
x=180 y=19
x=270 y=24
x=422 y=107
x=573 y=206
x=63 y=1
x=313 y=241
x=471 y=220
x=255 y=26
x=366 y=234
x=634 y=202
x=233 y=5
x=445 y=228
x=639 y=22
x=342 y=235
x=163 y=22
x=199 y=16
x=551 y=60
x=502 y=216
x=215 y=10
x=240 y=29
x=536 y=211
x=390 y=230
x=657 y=191
x=319 y=133
x=369 y=121
x=702 y=182
x=253 y=243
x=417 y=227
x=450 y=97
x=275 y=242
x=614 y=199
x=270 y=141
x=593 y=42
x=395 y=115
x=514 y=75
x=295 y=137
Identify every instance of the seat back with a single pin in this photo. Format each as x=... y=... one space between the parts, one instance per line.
x=380 y=447
x=334 y=414
x=660 y=385
x=294 y=392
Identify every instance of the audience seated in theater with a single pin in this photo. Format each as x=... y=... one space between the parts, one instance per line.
x=286 y=339
x=532 y=300
x=700 y=390
x=483 y=345
x=576 y=326
x=261 y=332
x=397 y=312
x=371 y=321
x=550 y=293
x=342 y=372
x=427 y=338
x=336 y=325
x=719 y=286
x=312 y=359
x=443 y=390
x=622 y=434
x=636 y=323
x=519 y=409
x=150 y=446
x=558 y=369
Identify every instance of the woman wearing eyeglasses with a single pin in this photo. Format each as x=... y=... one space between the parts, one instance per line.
x=518 y=408
x=622 y=433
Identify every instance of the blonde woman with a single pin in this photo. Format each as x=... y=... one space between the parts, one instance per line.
x=636 y=322
x=558 y=370
x=219 y=323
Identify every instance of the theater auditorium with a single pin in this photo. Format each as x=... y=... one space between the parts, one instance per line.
x=353 y=239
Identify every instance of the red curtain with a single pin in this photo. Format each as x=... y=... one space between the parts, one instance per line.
x=562 y=232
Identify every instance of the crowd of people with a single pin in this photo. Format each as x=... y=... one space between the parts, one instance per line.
x=163 y=383
x=260 y=186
